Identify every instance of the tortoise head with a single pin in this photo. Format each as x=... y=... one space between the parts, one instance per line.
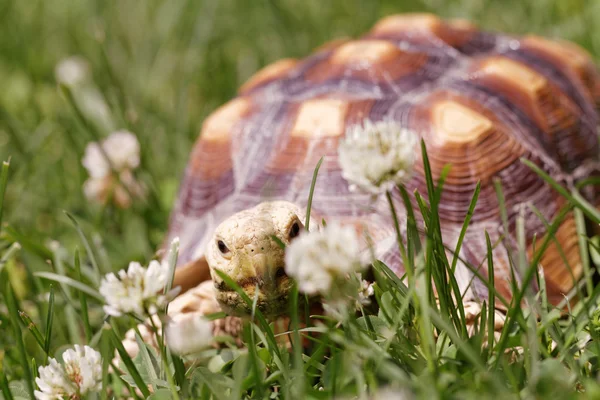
x=245 y=248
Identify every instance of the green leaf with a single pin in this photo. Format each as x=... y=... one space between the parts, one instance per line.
x=161 y=394
x=19 y=390
x=71 y=282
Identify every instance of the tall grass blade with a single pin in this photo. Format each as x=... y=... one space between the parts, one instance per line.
x=172 y=263
x=4 y=385
x=13 y=312
x=259 y=316
x=465 y=225
x=32 y=327
x=83 y=301
x=49 y=322
x=88 y=248
x=311 y=192
x=82 y=287
x=491 y=295
x=135 y=374
x=583 y=250
x=590 y=211
x=3 y=183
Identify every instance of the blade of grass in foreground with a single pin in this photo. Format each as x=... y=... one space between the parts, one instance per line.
x=491 y=295
x=574 y=198
x=49 y=322
x=297 y=348
x=4 y=385
x=32 y=327
x=3 y=183
x=86 y=245
x=261 y=319
x=463 y=230
x=526 y=281
x=83 y=302
x=13 y=311
x=137 y=378
x=583 y=250
x=311 y=192
x=71 y=282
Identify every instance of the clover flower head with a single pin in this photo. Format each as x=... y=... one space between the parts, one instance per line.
x=136 y=290
x=119 y=151
x=365 y=292
x=319 y=259
x=110 y=165
x=188 y=333
x=72 y=71
x=377 y=156
x=80 y=374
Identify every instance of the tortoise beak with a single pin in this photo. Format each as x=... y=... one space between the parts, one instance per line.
x=269 y=286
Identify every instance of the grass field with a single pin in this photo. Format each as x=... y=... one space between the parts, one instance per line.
x=160 y=67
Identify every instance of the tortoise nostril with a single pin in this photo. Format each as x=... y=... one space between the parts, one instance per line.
x=280 y=273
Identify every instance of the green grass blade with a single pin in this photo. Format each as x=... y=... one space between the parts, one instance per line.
x=107 y=352
x=3 y=183
x=413 y=240
x=32 y=327
x=526 y=281
x=491 y=295
x=4 y=386
x=297 y=348
x=259 y=316
x=311 y=192
x=72 y=283
x=583 y=249
x=135 y=374
x=465 y=225
x=83 y=301
x=49 y=322
x=575 y=199
x=88 y=248
x=172 y=263
x=13 y=312
x=400 y=243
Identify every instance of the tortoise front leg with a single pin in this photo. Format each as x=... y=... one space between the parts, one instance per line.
x=192 y=274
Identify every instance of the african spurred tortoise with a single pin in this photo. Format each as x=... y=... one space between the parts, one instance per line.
x=481 y=101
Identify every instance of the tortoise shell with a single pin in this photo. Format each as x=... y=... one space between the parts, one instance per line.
x=481 y=101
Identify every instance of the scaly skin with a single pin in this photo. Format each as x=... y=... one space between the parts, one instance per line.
x=243 y=248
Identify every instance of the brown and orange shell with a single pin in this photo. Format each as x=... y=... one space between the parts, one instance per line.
x=481 y=101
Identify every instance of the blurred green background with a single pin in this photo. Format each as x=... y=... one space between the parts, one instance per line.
x=161 y=66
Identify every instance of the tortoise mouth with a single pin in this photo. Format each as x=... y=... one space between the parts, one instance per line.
x=270 y=299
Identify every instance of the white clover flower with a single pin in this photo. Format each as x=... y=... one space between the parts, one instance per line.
x=120 y=191
x=365 y=292
x=376 y=156
x=137 y=290
x=319 y=258
x=188 y=333
x=81 y=373
x=72 y=71
x=95 y=162
x=122 y=150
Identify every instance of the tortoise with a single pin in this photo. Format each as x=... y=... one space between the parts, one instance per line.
x=481 y=101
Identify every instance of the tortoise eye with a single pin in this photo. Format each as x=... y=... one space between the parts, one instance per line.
x=222 y=247
x=294 y=230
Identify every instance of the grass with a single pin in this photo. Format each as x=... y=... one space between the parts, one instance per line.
x=162 y=67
